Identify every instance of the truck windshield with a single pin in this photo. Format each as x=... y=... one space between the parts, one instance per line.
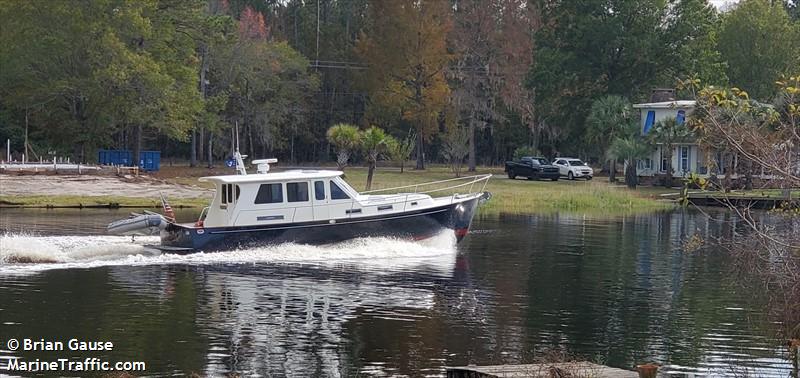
x=576 y=163
x=535 y=161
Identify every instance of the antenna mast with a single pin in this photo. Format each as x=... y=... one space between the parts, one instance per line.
x=240 y=168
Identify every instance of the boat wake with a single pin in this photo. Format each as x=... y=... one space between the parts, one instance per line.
x=21 y=254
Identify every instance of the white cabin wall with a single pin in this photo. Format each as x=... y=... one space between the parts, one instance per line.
x=215 y=216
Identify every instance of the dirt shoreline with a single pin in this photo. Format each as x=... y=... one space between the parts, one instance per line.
x=96 y=186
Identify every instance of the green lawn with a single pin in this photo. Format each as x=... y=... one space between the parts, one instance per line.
x=522 y=196
x=518 y=196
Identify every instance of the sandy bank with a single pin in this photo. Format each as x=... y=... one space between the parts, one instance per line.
x=91 y=185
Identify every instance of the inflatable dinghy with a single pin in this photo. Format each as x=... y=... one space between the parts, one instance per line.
x=149 y=223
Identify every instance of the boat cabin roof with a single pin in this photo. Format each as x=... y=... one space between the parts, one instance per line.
x=273 y=176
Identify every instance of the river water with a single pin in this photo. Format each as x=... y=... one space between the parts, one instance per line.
x=617 y=290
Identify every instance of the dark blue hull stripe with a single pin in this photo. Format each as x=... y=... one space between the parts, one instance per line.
x=324 y=223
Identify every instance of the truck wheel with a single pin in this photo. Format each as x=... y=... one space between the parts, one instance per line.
x=588 y=177
x=554 y=179
x=511 y=174
x=570 y=175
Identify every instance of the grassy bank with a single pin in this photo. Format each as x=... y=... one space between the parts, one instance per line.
x=509 y=196
x=526 y=196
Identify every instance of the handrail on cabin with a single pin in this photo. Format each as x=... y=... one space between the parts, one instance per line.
x=471 y=182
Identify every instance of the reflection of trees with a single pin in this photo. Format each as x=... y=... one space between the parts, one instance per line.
x=623 y=289
x=143 y=322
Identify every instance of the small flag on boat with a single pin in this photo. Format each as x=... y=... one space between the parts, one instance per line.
x=169 y=214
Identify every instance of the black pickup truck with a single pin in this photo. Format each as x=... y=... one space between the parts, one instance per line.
x=533 y=168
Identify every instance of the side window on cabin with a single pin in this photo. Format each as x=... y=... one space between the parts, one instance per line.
x=297 y=191
x=337 y=193
x=230 y=193
x=269 y=193
x=319 y=190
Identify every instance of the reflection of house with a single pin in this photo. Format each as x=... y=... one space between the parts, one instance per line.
x=686 y=157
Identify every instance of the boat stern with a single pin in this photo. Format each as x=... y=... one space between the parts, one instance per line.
x=177 y=237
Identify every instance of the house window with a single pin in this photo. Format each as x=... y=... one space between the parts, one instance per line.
x=269 y=193
x=319 y=190
x=685 y=158
x=297 y=191
x=646 y=163
x=664 y=161
x=337 y=193
x=681 y=117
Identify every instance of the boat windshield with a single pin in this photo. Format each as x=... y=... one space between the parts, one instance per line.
x=337 y=193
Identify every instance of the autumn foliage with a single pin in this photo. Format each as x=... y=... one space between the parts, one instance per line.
x=252 y=25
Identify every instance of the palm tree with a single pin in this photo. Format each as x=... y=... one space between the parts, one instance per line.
x=373 y=143
x=346 y=138
x=631 y=150
x=668 y=132
x=610 y=117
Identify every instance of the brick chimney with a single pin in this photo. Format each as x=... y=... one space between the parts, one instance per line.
x=662 y=94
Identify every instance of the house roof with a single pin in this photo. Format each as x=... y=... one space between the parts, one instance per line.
x=680 y=104
x=273 y=177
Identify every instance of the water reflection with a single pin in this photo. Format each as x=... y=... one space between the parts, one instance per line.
x=619 y=290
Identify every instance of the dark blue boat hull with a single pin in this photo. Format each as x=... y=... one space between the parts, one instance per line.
x=419 y=224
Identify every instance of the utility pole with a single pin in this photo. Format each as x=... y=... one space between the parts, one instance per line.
x=26 y=136
x=317 y=59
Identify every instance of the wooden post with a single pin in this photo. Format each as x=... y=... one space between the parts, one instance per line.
x=794 y=355
x=647 y=370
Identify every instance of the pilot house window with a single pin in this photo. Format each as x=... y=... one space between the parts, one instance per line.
x=337 y=193
x=297 y=191
x=269 y=193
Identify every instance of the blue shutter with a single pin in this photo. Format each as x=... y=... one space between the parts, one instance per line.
x=681 y=117
x=649 y=121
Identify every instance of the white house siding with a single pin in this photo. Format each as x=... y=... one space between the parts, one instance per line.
x=686 y=157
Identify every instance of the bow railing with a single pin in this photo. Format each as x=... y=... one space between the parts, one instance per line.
x=431 y=187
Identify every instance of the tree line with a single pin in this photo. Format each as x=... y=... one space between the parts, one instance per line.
x=468 y=79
